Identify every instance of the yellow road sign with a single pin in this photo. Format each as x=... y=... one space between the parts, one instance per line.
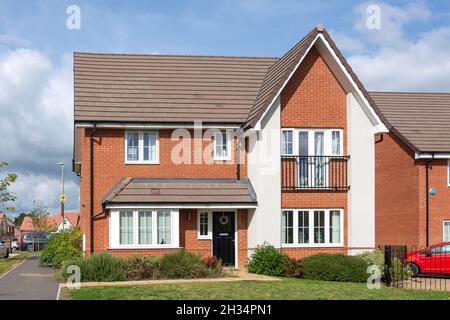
x=63 y=197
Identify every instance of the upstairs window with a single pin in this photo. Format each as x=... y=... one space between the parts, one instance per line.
x=312 y=142
x=222 y=146
x=446 y=231
x=287 y=143
x=141 y=147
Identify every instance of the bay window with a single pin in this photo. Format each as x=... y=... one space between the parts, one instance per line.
x=141 y=147
x=146 y=228
x=312 y=227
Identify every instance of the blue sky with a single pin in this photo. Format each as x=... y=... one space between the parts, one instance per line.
x=410 y=51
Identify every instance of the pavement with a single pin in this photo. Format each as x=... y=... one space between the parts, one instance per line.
x=29 y=281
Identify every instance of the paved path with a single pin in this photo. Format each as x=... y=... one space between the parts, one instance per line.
x=29 y=282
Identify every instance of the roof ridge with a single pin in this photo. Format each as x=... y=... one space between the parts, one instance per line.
x=172 y=55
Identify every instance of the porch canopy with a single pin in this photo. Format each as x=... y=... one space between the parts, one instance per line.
x=181 y=193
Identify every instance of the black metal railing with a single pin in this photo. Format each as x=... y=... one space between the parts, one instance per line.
x=314 y=173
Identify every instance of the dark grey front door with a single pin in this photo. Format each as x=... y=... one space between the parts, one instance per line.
x=223 y=237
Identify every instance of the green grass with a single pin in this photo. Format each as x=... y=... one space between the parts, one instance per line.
x=294 y=289
x=7 y=264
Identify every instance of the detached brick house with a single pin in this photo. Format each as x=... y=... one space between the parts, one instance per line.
x=412 y=169
x=220 y=154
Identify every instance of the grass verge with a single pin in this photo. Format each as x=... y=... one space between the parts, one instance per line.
x=289 y=289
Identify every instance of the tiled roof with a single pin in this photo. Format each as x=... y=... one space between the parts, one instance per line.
x=178 y=191
x=422 y=120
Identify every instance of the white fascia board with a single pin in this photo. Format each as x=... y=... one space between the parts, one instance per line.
x=178 y=206
x=153 y=126
x=379 y=128
x=437 y=155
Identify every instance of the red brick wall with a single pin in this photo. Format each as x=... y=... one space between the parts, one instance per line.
x=396 y=193
x=439 y=204
x=109 y=167
x=401 y=192
x=313 y=98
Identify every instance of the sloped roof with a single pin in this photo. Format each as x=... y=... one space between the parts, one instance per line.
x=422 y=120
x=72 y=216
x=27 y=224
x=166 y=88
x=179 y=191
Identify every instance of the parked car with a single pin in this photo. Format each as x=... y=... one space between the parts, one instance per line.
x=15 y=245
x=4 y=249
x=33 y=241
x=434 y=259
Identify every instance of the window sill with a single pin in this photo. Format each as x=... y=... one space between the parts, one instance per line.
x=315 y=245
x=143 y=247
x=204 y=238
x=148 y=163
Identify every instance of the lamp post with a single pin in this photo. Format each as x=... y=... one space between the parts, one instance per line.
x=62 y=198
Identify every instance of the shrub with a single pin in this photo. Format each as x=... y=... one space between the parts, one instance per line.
x=61 y=247
x=374 y=257
x=213 y=263
x=140 y=268
x=98 y=267
x=267 y=260
x=292 y=268
x=185 y=264
x=335 y=267
x=399 y=270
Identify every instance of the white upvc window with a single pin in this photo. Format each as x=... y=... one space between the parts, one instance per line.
x=287 y=143
x=144 y=228
x=446 y=231
x=312 y=228
x=141 y=147
x=312 y=142
x=204 y=225
x=222 y=145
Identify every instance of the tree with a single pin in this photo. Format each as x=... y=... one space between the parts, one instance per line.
x=18 y=220
x=6 y=196
x=39 y=217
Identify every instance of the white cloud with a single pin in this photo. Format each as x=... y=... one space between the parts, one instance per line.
x=36 y=102
x=393 y=21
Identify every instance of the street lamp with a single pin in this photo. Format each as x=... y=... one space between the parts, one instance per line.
x=62 y=197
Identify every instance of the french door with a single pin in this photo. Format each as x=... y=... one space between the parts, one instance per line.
x=311 y=162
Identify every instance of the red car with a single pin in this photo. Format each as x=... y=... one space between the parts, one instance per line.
x=434 y=259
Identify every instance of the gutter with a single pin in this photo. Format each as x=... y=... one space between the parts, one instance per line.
x=91 y=187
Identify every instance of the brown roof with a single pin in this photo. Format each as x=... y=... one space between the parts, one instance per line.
x=72 y=216
x=166 y=88
x=277 y=75
x=177 y=191
x=422 y=120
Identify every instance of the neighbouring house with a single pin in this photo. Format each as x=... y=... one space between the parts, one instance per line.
x=220 y=154
x=7 y=227
x=71 y=220
x=413 y=169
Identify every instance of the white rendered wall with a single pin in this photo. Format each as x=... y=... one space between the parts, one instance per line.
x=264 y=162
x=361 y=174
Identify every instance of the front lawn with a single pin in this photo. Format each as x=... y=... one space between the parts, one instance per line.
x=295 y=289
x=7 y=264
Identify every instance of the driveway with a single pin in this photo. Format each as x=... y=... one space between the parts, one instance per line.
x=29 y=281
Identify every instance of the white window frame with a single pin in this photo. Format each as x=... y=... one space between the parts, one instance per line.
x=328 y=139
x=228 y=144
x=327 y=243
x=294 y=139
x=141 y=148
x=114 y=230
x=209 y=235
x=443 y=230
